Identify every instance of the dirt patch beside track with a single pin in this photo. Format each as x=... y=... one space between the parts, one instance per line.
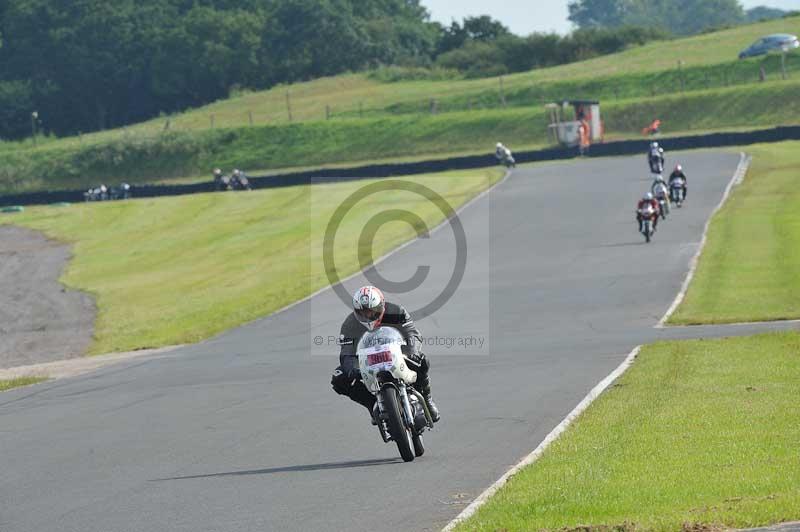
x=40 y=320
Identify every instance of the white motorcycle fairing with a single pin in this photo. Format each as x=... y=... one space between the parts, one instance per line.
x=381 y=351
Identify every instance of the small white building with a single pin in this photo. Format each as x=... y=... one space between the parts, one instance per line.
x=566 y=130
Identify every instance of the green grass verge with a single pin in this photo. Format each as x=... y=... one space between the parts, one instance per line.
x=22 y=381
x=750 y=268
x=171 y=156
x=178 y=270
x=696 y=432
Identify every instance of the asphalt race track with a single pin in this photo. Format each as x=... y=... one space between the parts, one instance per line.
x=243 y=433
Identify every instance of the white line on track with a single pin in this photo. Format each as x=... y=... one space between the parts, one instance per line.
x=554 y=434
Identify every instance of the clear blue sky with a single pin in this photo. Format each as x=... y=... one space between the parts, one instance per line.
x=527 y=16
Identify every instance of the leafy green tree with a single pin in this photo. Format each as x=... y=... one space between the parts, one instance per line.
x=759 y=13
x=93 y=64
x=598 y=13
x=681 y=17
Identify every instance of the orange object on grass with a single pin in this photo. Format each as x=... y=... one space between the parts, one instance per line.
x=652 y=128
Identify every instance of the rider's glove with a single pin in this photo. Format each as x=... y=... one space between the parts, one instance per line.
x=411 y=353
x=353 y=374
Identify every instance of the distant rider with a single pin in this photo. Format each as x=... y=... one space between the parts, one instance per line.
x=648 y=199
x=659 y=187
x=655 y=155
x=661 y=193
x=219 y=182
x=371 y=311
x=678 y=174
x=504 y=155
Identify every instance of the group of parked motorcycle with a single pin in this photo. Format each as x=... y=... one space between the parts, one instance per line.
x=657 y=203
x=237 y=180
x=103 y=193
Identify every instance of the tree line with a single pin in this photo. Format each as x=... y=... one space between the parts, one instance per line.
x=679 y=17
x=497 y=52
x=87 y=65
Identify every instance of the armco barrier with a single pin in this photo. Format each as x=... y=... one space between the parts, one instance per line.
x=328 y=175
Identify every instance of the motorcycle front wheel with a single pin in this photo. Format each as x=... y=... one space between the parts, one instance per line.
x=397 y=427
x=419 y=445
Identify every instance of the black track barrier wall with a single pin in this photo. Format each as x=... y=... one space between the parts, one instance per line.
x=609 y=149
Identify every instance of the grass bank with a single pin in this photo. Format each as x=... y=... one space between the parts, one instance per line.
x=178 y=270
x=17 y=383
x=695 y=433
x=174 y=155
x=750 y=268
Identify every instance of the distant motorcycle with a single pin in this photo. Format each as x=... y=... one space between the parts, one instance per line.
x=240 y=182
x=506 y=158
x=122 y=192
x=676 y=191
x=647 y=213
x=236 y=181
x=222 y=182
x=401 y=413
x=656 y=166
x=663 y=206
x=661 y=194
x=96 y=194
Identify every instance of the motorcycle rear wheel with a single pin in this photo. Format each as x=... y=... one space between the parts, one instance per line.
x=397 y=427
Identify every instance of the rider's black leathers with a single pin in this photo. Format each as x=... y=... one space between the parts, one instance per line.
x=346 y=378
x=675 y=175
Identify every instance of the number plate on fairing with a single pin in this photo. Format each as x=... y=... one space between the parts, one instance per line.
x=376 y=359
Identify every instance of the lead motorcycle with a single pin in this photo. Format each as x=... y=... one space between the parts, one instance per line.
x=401 y=412
x=647 y=213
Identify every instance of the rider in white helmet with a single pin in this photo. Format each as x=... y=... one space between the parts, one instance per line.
x=678 y=173
x=371 y=311
x=504 y=155
x=655 y=155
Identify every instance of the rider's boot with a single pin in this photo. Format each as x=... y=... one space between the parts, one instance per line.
x=432 y=408
x=362 y=396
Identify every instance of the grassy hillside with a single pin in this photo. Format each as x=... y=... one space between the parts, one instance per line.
x=139 y=158
x=374 y=120
x=344 y=93
x=177 y=270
